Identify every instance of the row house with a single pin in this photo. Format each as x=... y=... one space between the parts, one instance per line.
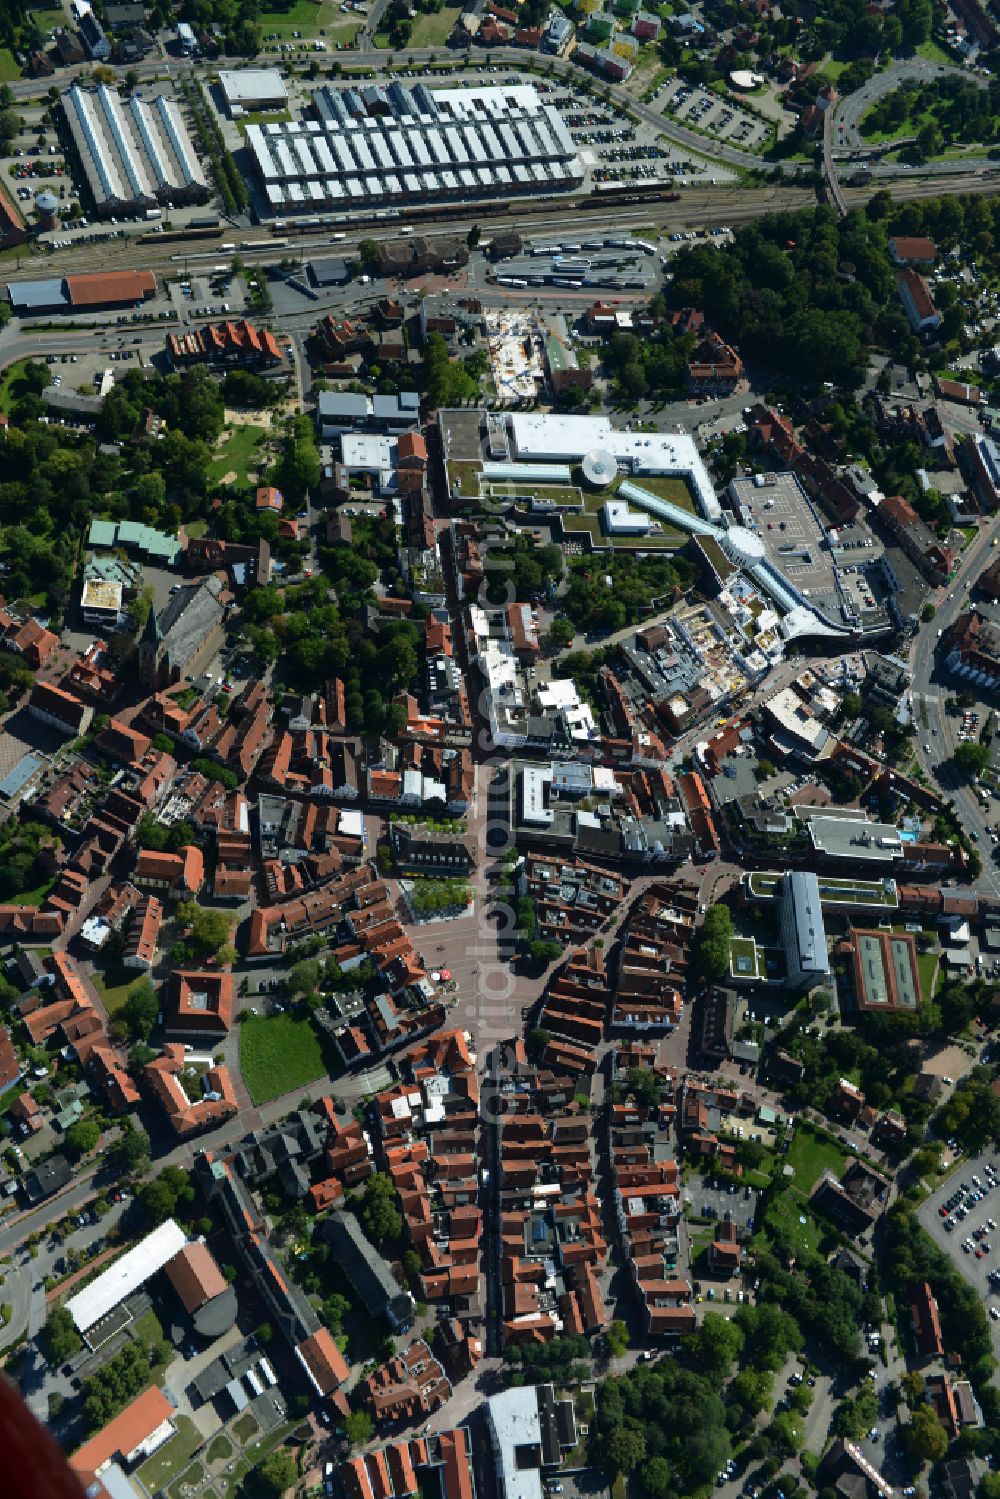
x=438 y=1463
x=553 y=1251
x=272 y=927
x=407 y=1388
x=428 y=1138
x=653 y=961
x=240 y=344
x=574 y=1012
x=704 y=1111
x=312 y=763
x=646 y=1199
x=573 y=899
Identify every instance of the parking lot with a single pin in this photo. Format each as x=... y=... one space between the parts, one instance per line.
x=214 y=292
x=616 y=150
x=965 y=1230
x=722 y=1199
x=722 y=118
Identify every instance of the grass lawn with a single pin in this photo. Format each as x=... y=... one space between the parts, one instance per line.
x=306 y=16
x=245 y=1428
x=927 y=967
x=933 y=53
x=33 y=897
x=238 y=453
x=194 y=1477
x=172 y=1456
x=788 y=1210
x=808 y=1156
x=195 y=528
x=220 y=1451
x=434 y=29
x=277 y=1055
x=115 y=986
x=229 y=1483
x=9 y=69
x=12 y=384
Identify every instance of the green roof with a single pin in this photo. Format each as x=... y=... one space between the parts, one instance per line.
x=102 y=533
x=132 y=533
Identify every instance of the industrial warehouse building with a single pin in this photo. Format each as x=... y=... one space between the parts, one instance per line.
x=91 y=291
x=252 y=88
x=134 y=155
x=378 y=146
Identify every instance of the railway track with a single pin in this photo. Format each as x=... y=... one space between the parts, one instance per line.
x=696 y=207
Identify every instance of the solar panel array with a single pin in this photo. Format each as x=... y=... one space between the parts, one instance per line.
x=379 y=144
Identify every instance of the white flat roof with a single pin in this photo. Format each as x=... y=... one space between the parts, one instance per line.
x=516 y=1429
x=126 y=1275
x=247 y=84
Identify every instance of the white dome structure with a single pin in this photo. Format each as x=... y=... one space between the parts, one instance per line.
x=742 y=546
x=600 y=468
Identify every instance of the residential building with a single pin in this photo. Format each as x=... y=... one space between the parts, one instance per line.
x=59 y=709
x=912 y=250
x=925 y=1323
x=143 y=935
x=934 y=559
x=918 y=304
x=972 y=648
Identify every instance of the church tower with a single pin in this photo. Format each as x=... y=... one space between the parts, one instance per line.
x=150 y=653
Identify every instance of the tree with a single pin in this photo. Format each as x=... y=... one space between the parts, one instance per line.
x=536 y=1041
x=617 y=1338
x=161 y=1197
x=971 y=758
x=270 y=1479
x=561 y=632
x=716 y=1345
x=626 y=1449
x=82 y=1137
x=140 y=1010
x=132 y=1152
x=358 y=1428
x=368 y=254
x=927 y=613
x=207 y=930
x=379 y=1215
x=304 y=977
x=925 y=1438
x=713 y=944
x=60 y=1337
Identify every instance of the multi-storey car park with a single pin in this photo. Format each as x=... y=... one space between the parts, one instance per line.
x=394 y=146
x=134 y=155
